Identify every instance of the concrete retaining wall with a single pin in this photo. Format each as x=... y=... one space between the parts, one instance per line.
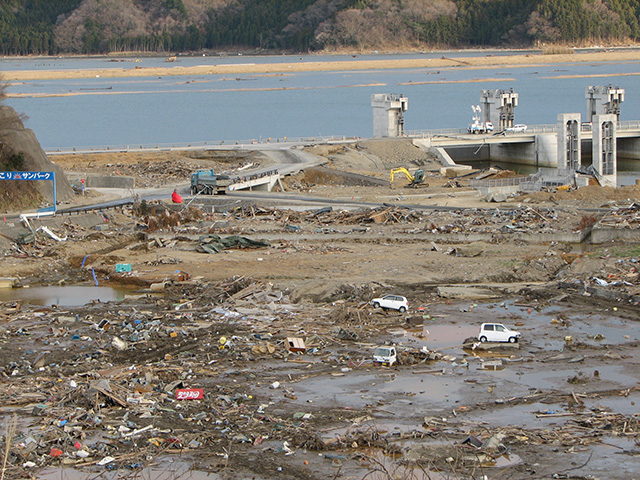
x=521 y=153
x=104 y=181
x=506 y=190
x=601 y=292
x=604 y=235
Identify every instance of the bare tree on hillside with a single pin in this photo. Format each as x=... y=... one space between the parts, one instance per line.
x=3 y=88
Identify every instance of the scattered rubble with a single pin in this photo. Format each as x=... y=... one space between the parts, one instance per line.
x=245 y=347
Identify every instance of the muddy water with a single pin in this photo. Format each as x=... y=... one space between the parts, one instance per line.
x=164 y=468
x=67 y=295
x=357 y=389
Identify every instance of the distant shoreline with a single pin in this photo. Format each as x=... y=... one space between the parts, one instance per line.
x=306 y=64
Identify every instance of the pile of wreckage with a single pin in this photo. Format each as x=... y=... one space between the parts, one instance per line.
x=622 y=217
x=519 y=219
x=112 y=386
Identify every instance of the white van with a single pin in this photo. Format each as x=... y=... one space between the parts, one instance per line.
x=497 y=332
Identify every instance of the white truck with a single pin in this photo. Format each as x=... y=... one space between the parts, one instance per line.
x=480 y=127
x=385 y=355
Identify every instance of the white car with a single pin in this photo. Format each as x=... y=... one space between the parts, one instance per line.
x=497 y=332
x=519 y=128
x=393 y=302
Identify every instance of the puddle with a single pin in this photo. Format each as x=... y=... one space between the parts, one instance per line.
x=604 y=460
x=66 y=296
x=383 y=427
x=619 y=404
x=162 y=469
x=524 y=415
x=549 y=377
x=358 y=389
x=442 y=336
x=595 y=328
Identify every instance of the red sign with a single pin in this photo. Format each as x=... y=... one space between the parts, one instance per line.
x=55 y=452
x=190 y=394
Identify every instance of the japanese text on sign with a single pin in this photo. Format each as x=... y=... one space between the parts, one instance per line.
x=26 y=175
x=189 y=394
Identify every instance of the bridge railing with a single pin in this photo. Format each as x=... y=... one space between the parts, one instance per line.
x=256 y=176
x=200 y=145
x=260 y=141
x=444 y=132
x=629 y=125
x=531 y=129
x=545 y=177
x=498 y=182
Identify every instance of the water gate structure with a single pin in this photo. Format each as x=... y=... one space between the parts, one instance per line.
x=571 y=150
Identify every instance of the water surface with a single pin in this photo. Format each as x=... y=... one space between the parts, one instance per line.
x=227 y=108
x=67 y=296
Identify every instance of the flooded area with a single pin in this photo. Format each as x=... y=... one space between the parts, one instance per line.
x=64 y=296
x=445 y=407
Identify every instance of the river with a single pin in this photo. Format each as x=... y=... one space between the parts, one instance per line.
x=178 y=110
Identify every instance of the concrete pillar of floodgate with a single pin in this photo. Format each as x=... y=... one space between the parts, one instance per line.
x=605 y=160
x=388 y=114
x=603 y=100
x=569 y=143
x=497 y=107
x=546 y=150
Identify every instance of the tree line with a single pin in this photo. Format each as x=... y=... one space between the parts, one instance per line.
x=44 y=27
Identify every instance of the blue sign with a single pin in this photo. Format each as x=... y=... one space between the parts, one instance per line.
x=26 y=176
x=34 y=176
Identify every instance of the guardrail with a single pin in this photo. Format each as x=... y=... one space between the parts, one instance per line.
x=531 y=129
x=499 y=182
x=253 y=143
x=545 y=177
x=201 y=145
x=256 y=176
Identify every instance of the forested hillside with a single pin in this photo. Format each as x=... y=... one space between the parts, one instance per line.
x=108 y=26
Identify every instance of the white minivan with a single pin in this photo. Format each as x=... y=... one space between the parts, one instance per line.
x=497 y=332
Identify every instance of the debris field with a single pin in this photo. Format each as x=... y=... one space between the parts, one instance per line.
x=241 y=341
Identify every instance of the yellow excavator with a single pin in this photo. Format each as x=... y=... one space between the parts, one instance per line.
x=414 y=180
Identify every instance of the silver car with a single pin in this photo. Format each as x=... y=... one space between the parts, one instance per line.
x=518 y=128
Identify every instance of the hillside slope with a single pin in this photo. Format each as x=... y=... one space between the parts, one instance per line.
x=115 y=26
x=21 y=151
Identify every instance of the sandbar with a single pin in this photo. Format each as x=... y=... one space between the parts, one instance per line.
x=305 y=65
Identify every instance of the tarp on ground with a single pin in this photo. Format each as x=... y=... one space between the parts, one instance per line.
x=216 y=243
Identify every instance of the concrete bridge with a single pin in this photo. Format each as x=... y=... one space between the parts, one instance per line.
x=264 y=181
x=569 y=145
